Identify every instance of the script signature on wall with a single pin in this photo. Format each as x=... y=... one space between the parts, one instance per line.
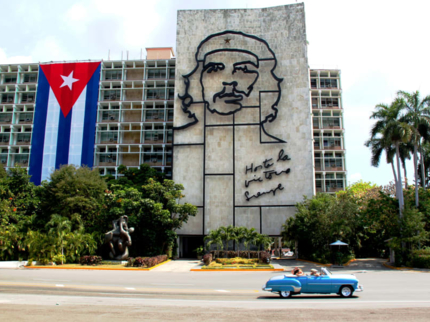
x=263 y=172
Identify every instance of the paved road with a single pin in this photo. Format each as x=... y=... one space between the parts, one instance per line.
x=162 y=293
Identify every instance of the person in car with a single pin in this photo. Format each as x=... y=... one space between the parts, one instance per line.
x=297 y=271
x=314 y=272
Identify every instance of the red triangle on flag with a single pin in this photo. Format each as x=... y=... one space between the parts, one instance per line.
x=68 y=80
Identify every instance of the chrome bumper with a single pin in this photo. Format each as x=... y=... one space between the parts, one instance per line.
x=360 y=288
x=266 y=289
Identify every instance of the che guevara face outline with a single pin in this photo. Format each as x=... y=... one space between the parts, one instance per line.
x=240 y=94
x=231 y=79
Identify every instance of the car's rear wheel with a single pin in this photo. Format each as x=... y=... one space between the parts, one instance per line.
x=346 y=291
x=285 y=294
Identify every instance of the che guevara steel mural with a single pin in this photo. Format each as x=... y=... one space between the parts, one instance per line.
x=235 y=74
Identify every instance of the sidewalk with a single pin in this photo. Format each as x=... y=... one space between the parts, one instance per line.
x=179 y=265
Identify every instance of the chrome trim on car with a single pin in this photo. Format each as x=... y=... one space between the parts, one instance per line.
x=360 y=288
x=267 y=289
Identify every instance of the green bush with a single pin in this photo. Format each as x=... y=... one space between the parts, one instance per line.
x=421 y=261
x=59 y=259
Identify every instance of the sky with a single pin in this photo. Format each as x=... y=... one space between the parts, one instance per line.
x=381 y=46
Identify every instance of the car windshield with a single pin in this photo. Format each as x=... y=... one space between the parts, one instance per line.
x=325 y=271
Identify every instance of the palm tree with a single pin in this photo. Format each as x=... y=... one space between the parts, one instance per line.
x=214 y=237
x=250 y=237
x=239 y=235
x=390 y=129
x=378 y=145
x=262 y=240
x=227 y=234
x=417 y=114
x=60 y=228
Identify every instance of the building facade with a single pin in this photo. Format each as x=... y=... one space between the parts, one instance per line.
x=246 y=155
x=134 y=117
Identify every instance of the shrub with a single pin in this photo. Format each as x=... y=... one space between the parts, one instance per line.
x=59 y=259
x=139 y=262
x=90 y=260
x=149 y=261
x=421 y=261
x=236 y=260
x=207 y=259
x=43 y=261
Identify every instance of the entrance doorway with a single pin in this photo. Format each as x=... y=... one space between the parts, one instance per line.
x=189 y=245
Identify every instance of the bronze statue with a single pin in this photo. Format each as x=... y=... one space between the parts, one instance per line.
x=119 y=238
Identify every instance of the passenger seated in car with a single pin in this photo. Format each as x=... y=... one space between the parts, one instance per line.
x=314 y=272
x=297 y=271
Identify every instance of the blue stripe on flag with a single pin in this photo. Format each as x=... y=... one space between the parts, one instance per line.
x=63 y=140
x=90 y=120
x=38 y=136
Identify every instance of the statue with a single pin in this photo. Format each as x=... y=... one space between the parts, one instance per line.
x=119 y=238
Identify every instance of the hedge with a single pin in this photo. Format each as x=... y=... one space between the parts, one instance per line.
x=146 y=261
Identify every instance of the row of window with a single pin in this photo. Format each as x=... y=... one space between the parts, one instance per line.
x=161 y=73
x=12 y=79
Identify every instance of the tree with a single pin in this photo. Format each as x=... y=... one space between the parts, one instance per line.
x=73 y=190
x=262 y=240
x=214 y=238
x=250 y=237
x=390 y=129
x=227 y=234
x=154 y=210
x=417 y=114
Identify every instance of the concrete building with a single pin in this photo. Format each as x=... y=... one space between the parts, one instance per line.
x=328 y=130
x=134 y=118
x=246 y=155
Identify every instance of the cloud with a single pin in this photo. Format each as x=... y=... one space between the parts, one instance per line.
x=355 y=177
x=14 y=59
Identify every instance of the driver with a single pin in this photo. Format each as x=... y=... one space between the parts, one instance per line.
x=314 y=272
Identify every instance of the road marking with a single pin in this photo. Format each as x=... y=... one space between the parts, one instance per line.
x=59 y=285
x=169 y=284
x=50 y=280
x=130 y=288
x=222 y=291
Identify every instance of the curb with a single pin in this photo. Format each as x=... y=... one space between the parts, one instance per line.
x=95 y=268
x=397 y=268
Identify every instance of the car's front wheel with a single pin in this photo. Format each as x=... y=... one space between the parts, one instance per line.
x=285 y=294
x=346 y=291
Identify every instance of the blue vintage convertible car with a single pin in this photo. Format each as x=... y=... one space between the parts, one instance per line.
x=287 y=285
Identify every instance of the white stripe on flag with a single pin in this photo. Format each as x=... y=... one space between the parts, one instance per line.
x=51 y=136
x=77 y=130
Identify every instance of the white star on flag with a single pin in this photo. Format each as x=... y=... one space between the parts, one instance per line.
x=69 y=80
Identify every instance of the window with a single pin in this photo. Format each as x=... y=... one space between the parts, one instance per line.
x=113 y=74
x=171 y=73
x=155 y=94
x=110 y=116
x=10 y=79
x=5 y=117
x=328 y=83
x=4 y=138
x=157 y=73
x=109 y=137
x=30 y=78
x=7 y=98
x=23 y=138
x=108 y=157
x=21 y=158
x=313 y=83
x=113 y=95
x=28 y=97
x=25 y=117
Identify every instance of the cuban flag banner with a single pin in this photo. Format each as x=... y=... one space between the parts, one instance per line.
x=65 y=117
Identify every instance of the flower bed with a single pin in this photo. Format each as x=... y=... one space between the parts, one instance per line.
x=215 y=265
